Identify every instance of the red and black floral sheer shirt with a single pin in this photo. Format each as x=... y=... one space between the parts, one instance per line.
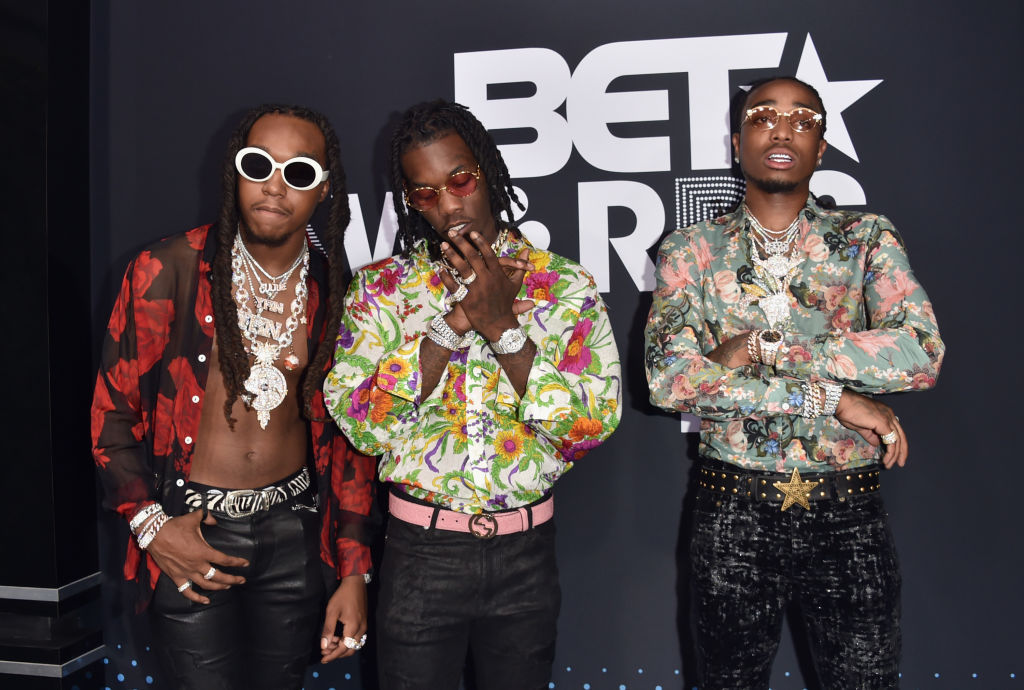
x=149 y=396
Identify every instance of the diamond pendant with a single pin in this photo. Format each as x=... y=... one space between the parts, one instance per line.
x=269 y=388
x=775 y=308
x=778 y=266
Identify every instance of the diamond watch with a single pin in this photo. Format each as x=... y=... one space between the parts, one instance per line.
x=510 y=342
x=769 y=342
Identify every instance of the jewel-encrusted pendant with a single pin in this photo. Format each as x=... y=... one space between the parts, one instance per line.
x=266 y=382
x=778 y=266
x=775 y=308
x=291 y=362
x=269 y=388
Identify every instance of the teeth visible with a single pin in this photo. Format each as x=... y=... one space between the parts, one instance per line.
x=780 y=157
x=458 y=228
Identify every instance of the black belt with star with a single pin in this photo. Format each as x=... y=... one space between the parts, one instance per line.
x=789 y=489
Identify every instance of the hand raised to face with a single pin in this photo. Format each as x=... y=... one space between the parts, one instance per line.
x=492 y=283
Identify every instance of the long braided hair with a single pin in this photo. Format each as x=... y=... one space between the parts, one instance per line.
x=427 y=122
x=234 y=362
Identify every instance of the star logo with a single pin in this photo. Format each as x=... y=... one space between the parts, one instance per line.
x=836 y=95
x=796 y=490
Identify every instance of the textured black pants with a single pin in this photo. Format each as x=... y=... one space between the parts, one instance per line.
x=443 y=593
x=836 y=560
x=257 y=635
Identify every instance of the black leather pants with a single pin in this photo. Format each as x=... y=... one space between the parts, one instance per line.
x=257 y=635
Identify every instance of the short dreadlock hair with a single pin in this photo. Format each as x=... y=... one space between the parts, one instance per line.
x=425 y=123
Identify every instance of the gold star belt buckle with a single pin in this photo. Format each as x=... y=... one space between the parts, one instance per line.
x=796 y=491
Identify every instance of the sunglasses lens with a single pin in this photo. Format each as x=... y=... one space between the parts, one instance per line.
x=763 y=117
x=255 y=166
x=301 y=175
x=802 y=119
x=422 y=199
x=462 y=184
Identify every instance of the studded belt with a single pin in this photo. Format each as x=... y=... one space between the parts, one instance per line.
x=480 y=525
x=789 y=489
x=245 y=502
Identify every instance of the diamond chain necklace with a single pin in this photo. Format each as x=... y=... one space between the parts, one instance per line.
x=777 y=270
x=266 y=384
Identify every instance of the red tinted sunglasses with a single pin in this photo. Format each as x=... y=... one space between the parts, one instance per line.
x=425 y=197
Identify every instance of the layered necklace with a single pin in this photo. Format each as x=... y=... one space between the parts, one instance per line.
x=777 y=259
x=266 y=338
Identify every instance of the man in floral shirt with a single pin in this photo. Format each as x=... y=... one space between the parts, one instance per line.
x=481 y=369
x=773 y=324
x=210 y=432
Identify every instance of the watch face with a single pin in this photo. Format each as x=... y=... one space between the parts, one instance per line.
x=511 y=341
x=770 y=336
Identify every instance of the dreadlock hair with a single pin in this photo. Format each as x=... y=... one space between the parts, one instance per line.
x=234 y=362
x=425 y=123
x=740 y=99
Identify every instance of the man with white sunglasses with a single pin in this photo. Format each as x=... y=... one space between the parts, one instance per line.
x=209 y=427
x=773 y=324
x=481 y=368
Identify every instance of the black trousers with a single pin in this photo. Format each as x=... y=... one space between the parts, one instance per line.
x=257 y=635
x=445 y=593
x=836 y=560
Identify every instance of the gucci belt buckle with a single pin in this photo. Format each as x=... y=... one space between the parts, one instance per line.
x=235 y=502
x=483 y=526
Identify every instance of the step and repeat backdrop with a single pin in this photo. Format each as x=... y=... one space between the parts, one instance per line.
x=613 y=118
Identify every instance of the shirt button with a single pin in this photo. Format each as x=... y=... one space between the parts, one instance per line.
x=195 y=398
x=180 y=482
x=208 y=318
x=201 y=358
x=785 y=406
x=188 y=440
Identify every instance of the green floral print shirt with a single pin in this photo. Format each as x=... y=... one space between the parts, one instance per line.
x=857 y=317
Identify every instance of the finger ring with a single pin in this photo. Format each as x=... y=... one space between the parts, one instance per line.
x=210 y=573
x=889 y=438
x=353 y=643
x=456 y=296
x=185 y=585
x=470 y=279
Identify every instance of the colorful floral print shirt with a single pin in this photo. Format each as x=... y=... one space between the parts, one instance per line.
x=857 y=317
x=472 y=444
x=149 y=398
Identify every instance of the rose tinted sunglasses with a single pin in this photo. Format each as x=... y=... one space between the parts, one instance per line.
x=425 y=197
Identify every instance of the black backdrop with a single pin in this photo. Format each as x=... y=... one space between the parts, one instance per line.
x=928 y=95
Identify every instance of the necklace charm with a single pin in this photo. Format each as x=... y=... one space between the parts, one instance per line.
x=268 y=387
x=269 y=304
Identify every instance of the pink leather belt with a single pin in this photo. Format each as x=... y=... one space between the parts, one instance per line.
x=480 y=525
